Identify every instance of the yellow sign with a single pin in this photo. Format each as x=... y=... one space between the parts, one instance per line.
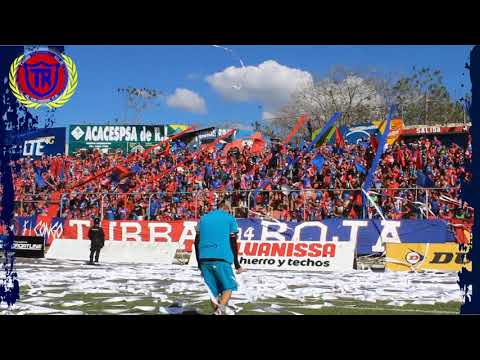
x=395 y=126
x=418 y=257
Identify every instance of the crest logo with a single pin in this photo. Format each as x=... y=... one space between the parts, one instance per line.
x=413 y=257
x=43 y=78
x=77 y=133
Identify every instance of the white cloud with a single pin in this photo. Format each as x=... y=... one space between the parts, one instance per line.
x=270 y=84
x=187 y=100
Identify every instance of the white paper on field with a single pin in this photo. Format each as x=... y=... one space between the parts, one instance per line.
x=423 y=302
x=72 y=312
x=162 y=310
x=114 y=299
x=134 y=298
x=115 y=311
x=396 y=303
x=36 y=299
x=33 y=309
x=117 y=283
x=145 y=308
x=314 y=306
x=73 y=303
x=55 y=295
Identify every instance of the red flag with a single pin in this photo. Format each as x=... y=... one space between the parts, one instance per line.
x=55 y=167
x=258 y=145
x=462 y=229
x=234 y=144
x=54 y=204
x=258 y=142
x=122 y=170
x=374 y=142
x=339 y=142
x=401 y=157
x=418 y=160
x=211 y=147
x=297 y=127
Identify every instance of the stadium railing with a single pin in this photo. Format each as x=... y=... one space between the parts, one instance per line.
x=303 y=203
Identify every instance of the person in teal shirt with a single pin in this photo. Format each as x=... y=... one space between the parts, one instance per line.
x=216 y=251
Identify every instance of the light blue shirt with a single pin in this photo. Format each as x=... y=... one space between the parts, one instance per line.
x=215 y=229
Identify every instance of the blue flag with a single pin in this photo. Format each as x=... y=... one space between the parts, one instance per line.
x=39 y=179
x=208 y=170
x=136 y=168
x=423 y=180
x=303 y=144
x=289 y=161
x=62 y=172
x=116 y=175
x=381 y=145
x=257 y=190
x=360 y=168
x=318 y=161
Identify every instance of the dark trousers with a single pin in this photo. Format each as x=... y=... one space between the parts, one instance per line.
x=95 y=250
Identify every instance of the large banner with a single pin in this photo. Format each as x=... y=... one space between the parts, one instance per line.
x=433 y=257
x=129 y=138
x=369 y=235
x=49 y=228
x=38 y=143
x=126 y=241
x=300 y=255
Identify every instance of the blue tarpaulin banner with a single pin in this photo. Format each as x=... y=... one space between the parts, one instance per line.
x=367 y=233
x=37 y=143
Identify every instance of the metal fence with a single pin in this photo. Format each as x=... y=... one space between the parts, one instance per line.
x=288 y=204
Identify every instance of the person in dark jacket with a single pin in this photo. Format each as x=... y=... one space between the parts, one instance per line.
x=97 y=239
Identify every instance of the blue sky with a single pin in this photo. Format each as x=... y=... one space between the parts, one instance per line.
x=103 y=69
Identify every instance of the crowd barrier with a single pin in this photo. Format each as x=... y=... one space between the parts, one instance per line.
x=272 y=203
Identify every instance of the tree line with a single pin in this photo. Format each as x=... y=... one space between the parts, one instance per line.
x=362 y=96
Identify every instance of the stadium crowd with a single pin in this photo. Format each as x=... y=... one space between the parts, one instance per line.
x=180 y=182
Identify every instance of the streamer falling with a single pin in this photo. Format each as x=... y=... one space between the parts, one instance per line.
x=235 y=86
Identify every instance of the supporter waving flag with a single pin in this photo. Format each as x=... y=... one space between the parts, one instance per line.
x=360 y=168
x=318 y=161
x=118 y=173
x=376 y=161
x=136 y=168
x=322 y=136
x=39 y=181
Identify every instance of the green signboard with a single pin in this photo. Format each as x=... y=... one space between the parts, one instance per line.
x=128 y=138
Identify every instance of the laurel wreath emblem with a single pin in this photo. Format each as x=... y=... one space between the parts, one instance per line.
x=60 y=101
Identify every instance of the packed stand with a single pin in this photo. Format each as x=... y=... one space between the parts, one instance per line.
x=180 y=182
